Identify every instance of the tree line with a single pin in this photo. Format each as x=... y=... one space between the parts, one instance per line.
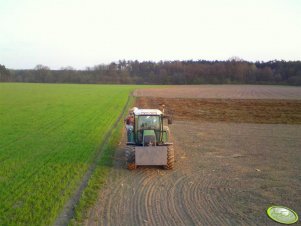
x=233 y=71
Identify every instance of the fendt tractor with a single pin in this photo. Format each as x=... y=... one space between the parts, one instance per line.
x=148 y=139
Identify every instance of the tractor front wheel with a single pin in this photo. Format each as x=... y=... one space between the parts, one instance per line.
x=130 y=157
x=170 y=158
x=131 y=166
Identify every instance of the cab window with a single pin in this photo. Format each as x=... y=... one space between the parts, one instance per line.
x=149 y=122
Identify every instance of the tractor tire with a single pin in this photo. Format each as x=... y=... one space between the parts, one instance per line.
x=170 y=158
x=130 y=157
x=131 y=166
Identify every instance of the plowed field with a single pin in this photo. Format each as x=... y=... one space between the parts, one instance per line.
x=227 y=110
x=224 y=92
x=234 y=158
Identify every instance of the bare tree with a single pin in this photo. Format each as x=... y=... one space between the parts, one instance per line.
x=41 y=67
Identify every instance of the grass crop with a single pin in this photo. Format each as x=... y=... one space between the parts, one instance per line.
x=98 y=178
x=49 y=135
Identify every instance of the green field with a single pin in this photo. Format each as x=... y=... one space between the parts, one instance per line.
x=49 y=136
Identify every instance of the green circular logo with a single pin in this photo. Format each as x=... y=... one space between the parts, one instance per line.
x=282 y=214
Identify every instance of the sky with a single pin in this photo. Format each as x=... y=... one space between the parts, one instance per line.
x=60 y=33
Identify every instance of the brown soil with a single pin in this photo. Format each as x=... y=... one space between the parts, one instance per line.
x=227 y=110
x=227 y=172
x=224 y=92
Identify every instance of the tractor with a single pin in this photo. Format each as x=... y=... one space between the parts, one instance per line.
x=148 y=139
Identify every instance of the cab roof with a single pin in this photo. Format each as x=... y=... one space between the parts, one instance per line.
x=147 y=112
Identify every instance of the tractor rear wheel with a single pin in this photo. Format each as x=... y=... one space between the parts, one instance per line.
x=130 y=157
x=170 y=158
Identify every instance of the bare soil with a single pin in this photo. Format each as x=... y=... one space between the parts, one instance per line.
x=224 y=92
x=225 y=174
x=230 y=167
x=227 y=110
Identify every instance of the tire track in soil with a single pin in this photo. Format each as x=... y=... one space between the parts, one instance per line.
x=214 y=183
x=186 y=195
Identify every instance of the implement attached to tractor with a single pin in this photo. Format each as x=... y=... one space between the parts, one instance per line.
x=147 y=139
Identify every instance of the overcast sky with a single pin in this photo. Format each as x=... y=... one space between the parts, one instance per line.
x=60 y=33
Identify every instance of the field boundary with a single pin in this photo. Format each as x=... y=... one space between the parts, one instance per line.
x=68 y=210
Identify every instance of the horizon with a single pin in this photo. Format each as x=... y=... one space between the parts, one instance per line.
x=72 y=33
x=91 y=67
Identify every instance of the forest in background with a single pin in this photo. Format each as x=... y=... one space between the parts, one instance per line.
x=233 y=71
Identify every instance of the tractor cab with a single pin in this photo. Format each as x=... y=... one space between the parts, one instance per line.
x=148 y=128
x=147 y=139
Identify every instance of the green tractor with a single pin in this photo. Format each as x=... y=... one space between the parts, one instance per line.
x=148 y=139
